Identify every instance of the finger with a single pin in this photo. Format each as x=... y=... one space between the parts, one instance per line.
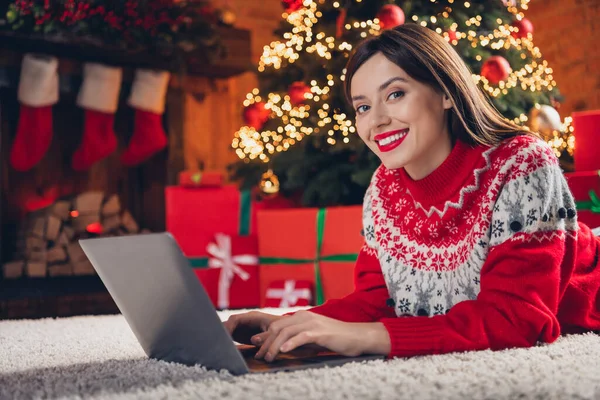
x=231 y=324
x=252 y=318
x=271 y=333
x=260 y=338
x=304 y=338
x=284 y=335
x=262 y=351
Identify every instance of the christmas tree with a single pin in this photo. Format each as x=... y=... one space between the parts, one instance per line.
x=300 y=137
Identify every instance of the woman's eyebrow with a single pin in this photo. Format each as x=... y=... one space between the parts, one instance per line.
x=383 y=86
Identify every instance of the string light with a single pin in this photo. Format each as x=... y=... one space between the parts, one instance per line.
x=295 y=124
x=563 y=140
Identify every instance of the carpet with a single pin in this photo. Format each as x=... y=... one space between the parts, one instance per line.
x=98 y=357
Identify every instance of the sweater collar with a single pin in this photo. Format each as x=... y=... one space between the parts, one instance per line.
x=448 y=178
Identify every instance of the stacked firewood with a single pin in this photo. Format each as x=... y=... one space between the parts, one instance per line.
x=47 y=243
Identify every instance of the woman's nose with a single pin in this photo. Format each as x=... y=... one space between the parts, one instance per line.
x=379 y=117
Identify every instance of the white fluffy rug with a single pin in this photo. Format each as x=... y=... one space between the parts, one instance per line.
x=99 y=358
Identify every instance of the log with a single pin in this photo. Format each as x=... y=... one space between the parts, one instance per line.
x=75 y=252
x=39 y=227
x=112 y=206
x=62 y=210
x=57 y=255
x=33 y=243
x=60 y=270
x=36 y=255
x=129 y=223
x=89 y=203
x=63 y=239
x=82 y=267
x=69 y=233
x=53 y=225
x=13 y=269
x=111 y=223
x=35 y=269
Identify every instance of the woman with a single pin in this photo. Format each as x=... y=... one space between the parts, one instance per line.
x=471 y=234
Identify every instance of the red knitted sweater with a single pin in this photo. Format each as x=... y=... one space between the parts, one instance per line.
x=484 y=253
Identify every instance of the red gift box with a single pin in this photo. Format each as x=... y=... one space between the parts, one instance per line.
x=585 y=187
x=320 y=246
x=586 y=129
x=194 y=215
x=200 y=178
x=231 y=279
x=289 y=293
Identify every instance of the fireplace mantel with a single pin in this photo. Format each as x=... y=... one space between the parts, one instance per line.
x=236 y=59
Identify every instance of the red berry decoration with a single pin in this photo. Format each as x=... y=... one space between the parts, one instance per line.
x=390 y=16
x=291 y=5
x=495 y=69
x=296 y=91
x=524 y=27
x=256 y=114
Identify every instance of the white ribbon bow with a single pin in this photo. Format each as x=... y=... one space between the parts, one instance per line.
x=229 y=264
x=289 y=295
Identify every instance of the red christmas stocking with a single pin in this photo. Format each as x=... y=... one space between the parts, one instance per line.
x=37 y=93
x=99 y=96
x=148 y=99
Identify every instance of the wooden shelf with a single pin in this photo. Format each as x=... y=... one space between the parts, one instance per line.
x=236 y=60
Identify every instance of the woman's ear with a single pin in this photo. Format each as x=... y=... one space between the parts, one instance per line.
x=446 y=102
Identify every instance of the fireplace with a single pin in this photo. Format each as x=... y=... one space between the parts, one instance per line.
x=45 y=210
x=47 y=239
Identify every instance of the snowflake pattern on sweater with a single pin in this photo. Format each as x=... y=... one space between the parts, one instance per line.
x=431 y=255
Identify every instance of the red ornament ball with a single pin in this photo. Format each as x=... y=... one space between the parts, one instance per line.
x=524 y=26
x=451 y=35
x=256 y=114
x=296 y=91
x=495 y=69
x=390 y=16
x=291 y=5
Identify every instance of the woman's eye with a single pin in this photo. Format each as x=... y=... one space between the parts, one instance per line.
x=396 y=94
x=361 y=109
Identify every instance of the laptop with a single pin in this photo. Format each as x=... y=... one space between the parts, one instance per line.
x=168 y=310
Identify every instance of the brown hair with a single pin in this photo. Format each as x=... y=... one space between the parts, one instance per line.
x=428 y=58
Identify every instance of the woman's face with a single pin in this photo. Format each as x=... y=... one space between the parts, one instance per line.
x=402 y=120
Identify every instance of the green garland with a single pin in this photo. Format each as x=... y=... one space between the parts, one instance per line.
x=167 y=27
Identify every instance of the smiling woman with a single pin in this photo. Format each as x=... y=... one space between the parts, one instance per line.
x=413 y=80
x=402 y=120
x=471 y=233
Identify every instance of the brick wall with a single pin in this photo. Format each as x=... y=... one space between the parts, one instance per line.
x=566 y=31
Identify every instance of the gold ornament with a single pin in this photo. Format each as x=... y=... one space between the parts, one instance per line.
x=227 y=16
x=269 y=183
x=544 y=119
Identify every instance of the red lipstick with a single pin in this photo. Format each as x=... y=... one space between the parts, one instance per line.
x=388 y=141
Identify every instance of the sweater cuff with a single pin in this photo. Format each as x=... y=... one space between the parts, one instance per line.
x=412 y=336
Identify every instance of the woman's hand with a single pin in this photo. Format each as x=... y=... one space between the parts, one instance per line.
x=308 y=328
x=242 y=327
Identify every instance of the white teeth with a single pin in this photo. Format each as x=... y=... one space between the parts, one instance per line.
x=393 y=138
